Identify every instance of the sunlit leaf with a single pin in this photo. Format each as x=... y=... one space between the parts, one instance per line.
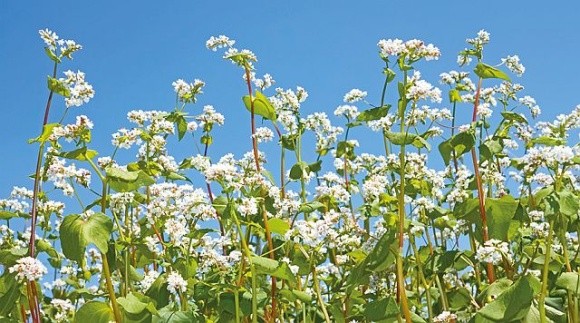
x=94 y=312
x=79 y=154
x=486 y=72
x=76 y=233
x=58 y=87
x=512 y=304
x=373 y=114
x=262 y=106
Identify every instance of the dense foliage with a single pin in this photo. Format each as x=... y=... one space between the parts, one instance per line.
x=325 y=232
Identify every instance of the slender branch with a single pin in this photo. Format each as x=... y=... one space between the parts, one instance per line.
x=480 y=194
x=35 y=306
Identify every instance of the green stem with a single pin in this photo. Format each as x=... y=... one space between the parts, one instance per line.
x=401 y=292
x=422 y=277
x=545 y=270
x=237 y=304
x=315 y=283
x=110 y=288
x=248 y=255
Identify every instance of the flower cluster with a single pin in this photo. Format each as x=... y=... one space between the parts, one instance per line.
x=28 y=269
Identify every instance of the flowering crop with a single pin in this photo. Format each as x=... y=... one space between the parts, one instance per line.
x=333 y=233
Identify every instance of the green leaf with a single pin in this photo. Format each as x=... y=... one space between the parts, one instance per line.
x=568 y=203
x=274 y=268
x=7 y=215
x=79 y=154
x=303 y=296
x=460 y=143
x=9 y=286
x=488 y=72
x=514 y=116
x=488 y=149
x=168 y=315
x=76 y=233
x=299 y=170
x=500 y=213
x=511 y=305
x=220 y=203
x=46 y=132
x=58 y=87
x=158 y=291
x=420 y=142
x=133 y=305
x=181 y=127
x=548 y=141
x=455 y=96
x=315 y=167
x=383 y=309
x=120 y=174
x=570 y=281
x=262 y=106
x=94 y=312
x=45 y=246
x=373 y=114
x=310 y=207
x=278 y=226
x=186 y=268
x=8 y=257
x=459 y=298
x=400 y=138
x=51 y=55
x=380 y=258
x=289 y=142
x=390 y=74
x=126 y=181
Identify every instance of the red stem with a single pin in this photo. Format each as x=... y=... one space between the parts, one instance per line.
x=256 y=156
x=35 y=309
x=480 y=194
x=209 y=193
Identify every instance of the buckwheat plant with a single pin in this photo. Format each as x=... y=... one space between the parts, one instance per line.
x=459 y=220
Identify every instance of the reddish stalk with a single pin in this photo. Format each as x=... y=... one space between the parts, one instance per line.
x=480 y=195
x=31 y=302
x=256 y=159
x=209 y=193
x=34 y=304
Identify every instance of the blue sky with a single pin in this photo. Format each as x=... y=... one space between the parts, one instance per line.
x=133 y=50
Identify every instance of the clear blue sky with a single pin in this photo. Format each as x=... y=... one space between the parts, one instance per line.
x=133 y=50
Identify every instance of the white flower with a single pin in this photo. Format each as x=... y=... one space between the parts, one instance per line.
x=209 y=117
x=514 y=65
x=391 y=47
x=415 y=49
x=176 y=283
x=263 y=134
x=64 y=309
x=187 y=92
x=266 y=82
x=421 y=89
x=481 y=39
x=28 y=269
x=176 y=229
x=248 y=206
x=148 y=280
x=125 y=138
x=220 y=41
x=445 y=317
x=49 y=37
x=354 y=95
x=493 y=251
x=349 y=111
x=80 y=91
